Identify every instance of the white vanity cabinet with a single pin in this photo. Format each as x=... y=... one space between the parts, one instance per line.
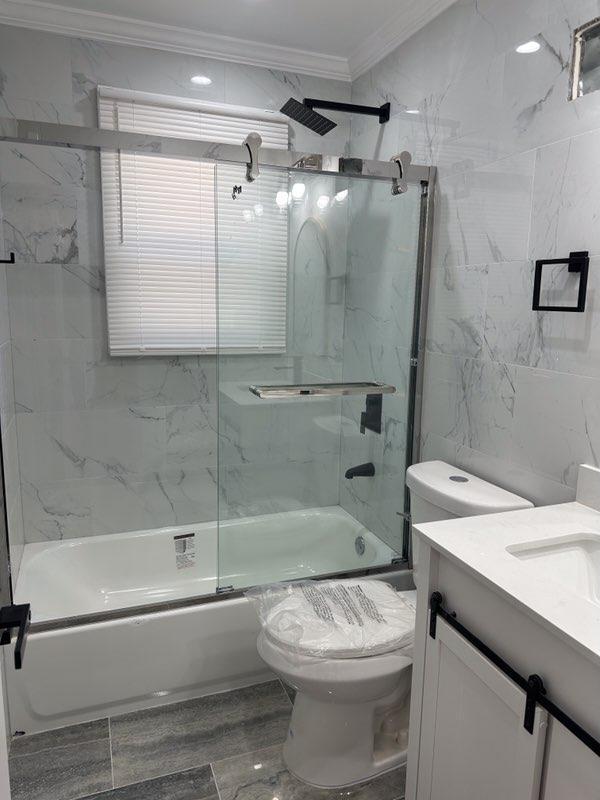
x=467 y=734
x=473 y=743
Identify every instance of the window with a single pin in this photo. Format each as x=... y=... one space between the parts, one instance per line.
x=160 y=220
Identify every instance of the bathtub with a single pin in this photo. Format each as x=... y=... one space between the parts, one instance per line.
x=117 y=571
x=119 y=661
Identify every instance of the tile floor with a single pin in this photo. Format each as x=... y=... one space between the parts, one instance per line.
x=221 y=747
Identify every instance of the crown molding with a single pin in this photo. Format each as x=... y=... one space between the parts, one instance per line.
x=124 y=30
x=404 y=24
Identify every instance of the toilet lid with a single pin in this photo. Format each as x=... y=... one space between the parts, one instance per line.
x=341 y=619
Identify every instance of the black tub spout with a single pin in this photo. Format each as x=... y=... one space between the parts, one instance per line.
x=361 y=471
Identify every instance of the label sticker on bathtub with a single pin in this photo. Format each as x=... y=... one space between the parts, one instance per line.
x=185 y=550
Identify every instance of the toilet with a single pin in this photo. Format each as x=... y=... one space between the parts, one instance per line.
x=352 y=680
x=440 y=491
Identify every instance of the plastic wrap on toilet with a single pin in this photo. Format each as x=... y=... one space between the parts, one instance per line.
x=335 y=619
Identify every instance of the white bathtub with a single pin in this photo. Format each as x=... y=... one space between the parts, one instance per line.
x=107 y=573
x=92 y=670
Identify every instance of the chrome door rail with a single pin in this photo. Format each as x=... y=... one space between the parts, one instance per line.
x=54 y=134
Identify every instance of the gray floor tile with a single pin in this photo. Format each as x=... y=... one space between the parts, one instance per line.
x=169 y=739
x=62 y=773
x=193 y=784
x=262 y=776
x=61 y=737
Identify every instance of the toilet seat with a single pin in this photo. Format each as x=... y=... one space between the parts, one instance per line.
x=337 y=620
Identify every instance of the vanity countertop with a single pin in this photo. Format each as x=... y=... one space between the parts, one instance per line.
x=545 y=560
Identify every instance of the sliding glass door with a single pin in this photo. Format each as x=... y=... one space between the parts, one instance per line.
x=316 y=280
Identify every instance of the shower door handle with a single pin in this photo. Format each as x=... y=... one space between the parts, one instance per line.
x=15 y=618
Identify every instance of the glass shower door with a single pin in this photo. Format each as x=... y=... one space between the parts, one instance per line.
x=316 y=285
x=108 y=373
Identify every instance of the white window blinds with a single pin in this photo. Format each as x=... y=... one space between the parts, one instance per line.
x=165 y=294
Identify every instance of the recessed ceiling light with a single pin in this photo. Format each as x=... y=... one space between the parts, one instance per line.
x=201 y=80
x=412 y=110
x=529 y=47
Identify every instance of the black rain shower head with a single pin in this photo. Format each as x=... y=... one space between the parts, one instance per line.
x=305 y=114
x=307 y=117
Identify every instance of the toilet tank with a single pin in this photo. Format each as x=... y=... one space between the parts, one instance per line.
x=440 y=491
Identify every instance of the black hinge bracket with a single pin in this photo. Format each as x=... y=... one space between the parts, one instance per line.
x=9 y=260
x=15 y=618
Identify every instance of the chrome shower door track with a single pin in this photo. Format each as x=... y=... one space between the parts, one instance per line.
x=54 y=134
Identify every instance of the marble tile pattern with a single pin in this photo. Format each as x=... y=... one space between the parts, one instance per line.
x=284 y=455
x=221 y=747
x=380 y=287
x=154 y=742
x=512 y=394
x=105 y=445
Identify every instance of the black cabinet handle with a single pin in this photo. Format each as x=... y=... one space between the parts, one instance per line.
x=15 y=618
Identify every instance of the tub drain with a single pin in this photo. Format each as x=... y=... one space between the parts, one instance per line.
x=359 y=545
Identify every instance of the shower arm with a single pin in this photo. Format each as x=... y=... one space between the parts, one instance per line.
x=382 y=112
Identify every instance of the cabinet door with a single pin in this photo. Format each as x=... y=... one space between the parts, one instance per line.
x=473 y=743
x=571 y=770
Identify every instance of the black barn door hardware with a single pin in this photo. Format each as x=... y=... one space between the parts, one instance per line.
x=15 y=618
x=533 y=686
x=9 y=260
x=578 y=261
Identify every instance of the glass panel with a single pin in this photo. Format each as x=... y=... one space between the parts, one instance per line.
x=108 y=458
x=286 y=509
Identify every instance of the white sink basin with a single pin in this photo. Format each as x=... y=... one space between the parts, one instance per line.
x=573 y=561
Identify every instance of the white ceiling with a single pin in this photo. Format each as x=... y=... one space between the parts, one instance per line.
x=334 y=27
x=334 y=38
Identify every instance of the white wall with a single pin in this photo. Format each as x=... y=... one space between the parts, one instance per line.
x=511 y=394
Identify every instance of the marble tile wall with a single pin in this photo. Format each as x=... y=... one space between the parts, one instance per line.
x=281 y=455
x=382 y=257
x=115 y=444
x=511 y=394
